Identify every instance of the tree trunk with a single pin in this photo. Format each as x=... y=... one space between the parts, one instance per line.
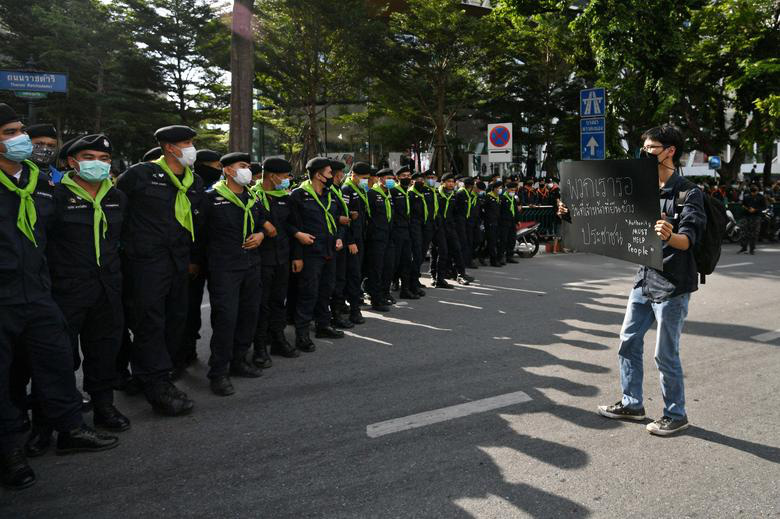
x=242 y=68
x=730 y=170
x=99 y=105
x=767 y=156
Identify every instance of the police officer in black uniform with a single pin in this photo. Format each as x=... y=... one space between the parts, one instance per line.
x=508 y=222
x=491 y=215
x=450 y=254
x=474 y=222
x=355 y=193
x=86 y=269
x=316 y=212
x=379 y=248
x=338 y=305
x=208 y=167
x=402 y=243
x=232 y=235
x=31 y=323
x=159 y=241
x=462 y=215
x=278 y=250
x=422 y=217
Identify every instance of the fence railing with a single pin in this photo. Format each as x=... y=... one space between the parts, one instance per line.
x=546 y=215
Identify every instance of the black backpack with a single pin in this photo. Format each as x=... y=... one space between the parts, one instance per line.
x=707 y=249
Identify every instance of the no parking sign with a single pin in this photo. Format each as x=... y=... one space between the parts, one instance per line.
x=500 y=142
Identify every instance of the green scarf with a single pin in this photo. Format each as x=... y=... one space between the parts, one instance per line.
x=98 y=216
x=422 y=197
x=511 y=200
x=329 y=220
x=435 y=201
x=406 y=194
x=337 y=191
x=26 y=218
x=222 y=188
x=261 y=194
x=448 y=198
x=388 y=207
x=361 y=193
x=495 y=196
x=469 y=203
x=182 y=207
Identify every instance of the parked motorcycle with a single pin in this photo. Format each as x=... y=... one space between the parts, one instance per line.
x=527 y=239
x=733 y=230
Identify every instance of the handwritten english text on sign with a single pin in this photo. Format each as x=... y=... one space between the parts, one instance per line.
x=614 y=205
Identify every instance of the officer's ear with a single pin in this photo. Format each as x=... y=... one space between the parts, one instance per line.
x=73 y=163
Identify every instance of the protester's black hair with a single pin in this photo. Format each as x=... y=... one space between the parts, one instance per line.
x=668 y=135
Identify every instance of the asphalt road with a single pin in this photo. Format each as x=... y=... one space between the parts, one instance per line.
x=505 y=377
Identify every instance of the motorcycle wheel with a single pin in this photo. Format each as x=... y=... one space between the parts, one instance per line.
x=527 y=246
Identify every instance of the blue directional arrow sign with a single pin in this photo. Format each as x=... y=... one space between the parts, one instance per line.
x=593 y=102
x=592 y=138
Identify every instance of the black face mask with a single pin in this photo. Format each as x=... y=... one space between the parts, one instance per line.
x=419 y=184
x=405 y=182
x=42 y=155
x=208 y=174
x=328 y=182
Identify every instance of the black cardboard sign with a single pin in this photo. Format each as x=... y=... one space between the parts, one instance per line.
x=614 y=205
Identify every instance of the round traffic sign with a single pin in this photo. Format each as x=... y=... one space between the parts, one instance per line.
x=499 y=136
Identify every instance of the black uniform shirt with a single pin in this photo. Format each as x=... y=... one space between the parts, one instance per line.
x=491 y=210
x=24 y=271
x=356 y=204
x=379 y=226
x=282 y=248
x=151 y=230
x=310 y=218
x=398 y=197
x=757 y=202
x=223 y=234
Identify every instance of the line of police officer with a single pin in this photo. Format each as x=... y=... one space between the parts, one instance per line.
x=186 y=218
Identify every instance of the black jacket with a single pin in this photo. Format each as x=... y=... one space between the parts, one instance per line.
x=355 y=204
x=310 y=218
x=282 y=248
x=491 y=210
x=151 y=230
x=24 y=270
x=223 y=232
x=379 y=227
x=401 y=212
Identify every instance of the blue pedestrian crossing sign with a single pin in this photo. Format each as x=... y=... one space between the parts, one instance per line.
x=592 y=139
x=593 y=102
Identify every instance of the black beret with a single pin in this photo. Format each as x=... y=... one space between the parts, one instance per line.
x=317 y=163
x=448 y=176
x=8 y=115
x=256 y=168
x=511 y=184
x=385 y=172
x=361 y=168
x=374 y=171
x=41 y=130
x=429 y=173
x=153 y=154
x=207 y=156
x=176 y=133
x=481 y=185
x=66 y=146
x=402 y=169
x=337 y=165
x=236 y=156
x=494 y=185
x=276 y=165
x=417 y=175
x=94 y=142
x=468 y=181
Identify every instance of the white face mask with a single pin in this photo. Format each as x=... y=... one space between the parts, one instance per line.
x=243 y=176
x=188 y=156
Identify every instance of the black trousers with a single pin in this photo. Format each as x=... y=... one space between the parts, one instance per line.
x=235 y=301
x=416 y=236
x=315 y=285
x=379 y=266
x=464 y=239
x=751 y=226
x=94 y=313
x=353 y=291
x=475 y=237
x=189 y=347
x=272 y=316
x=492 y=233
x=510 y=237
x=402 y=256
x=438 y=247
x=38 y=332
x=449 y=252
x=340 y=282
x=159 y=301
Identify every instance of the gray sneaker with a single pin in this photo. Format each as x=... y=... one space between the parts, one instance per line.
x=621 y=412
x=666 y=426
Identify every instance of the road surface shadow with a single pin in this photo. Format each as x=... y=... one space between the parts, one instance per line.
x=760 y=450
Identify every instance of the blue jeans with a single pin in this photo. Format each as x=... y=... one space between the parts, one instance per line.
x=640 y=315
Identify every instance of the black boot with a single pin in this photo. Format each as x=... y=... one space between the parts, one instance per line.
x=407 y=294
x=39 y=441
x=84 y=439
x=167 y=399
x=328 y=332
x=303 y=341
x=17 y=473
x=280 y=345
x=242 y=368
x=380 y=306
x=221 y=386
x=419 y=291
x=338 y=320
x=108 y=417
x=261 y=358
x=356 y=316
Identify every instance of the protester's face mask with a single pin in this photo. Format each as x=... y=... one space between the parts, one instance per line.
x=405 y=182
x=363 y=183
x=93 y=170
x=42 y=154
x=188 y=156
x=18 y=148
x=283 y=184
x=389 y=183
x=243 y=176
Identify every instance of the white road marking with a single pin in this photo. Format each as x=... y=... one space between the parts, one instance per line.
x=766 y=337
x=502 y=338
x=512 y=289
x=475 y=286
x=404 y=321
x=734 y=265
x=356 y=336
x=591 y=282
x=501 y=312
x=478 y=294
x=461 y=304
x=445 y=414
